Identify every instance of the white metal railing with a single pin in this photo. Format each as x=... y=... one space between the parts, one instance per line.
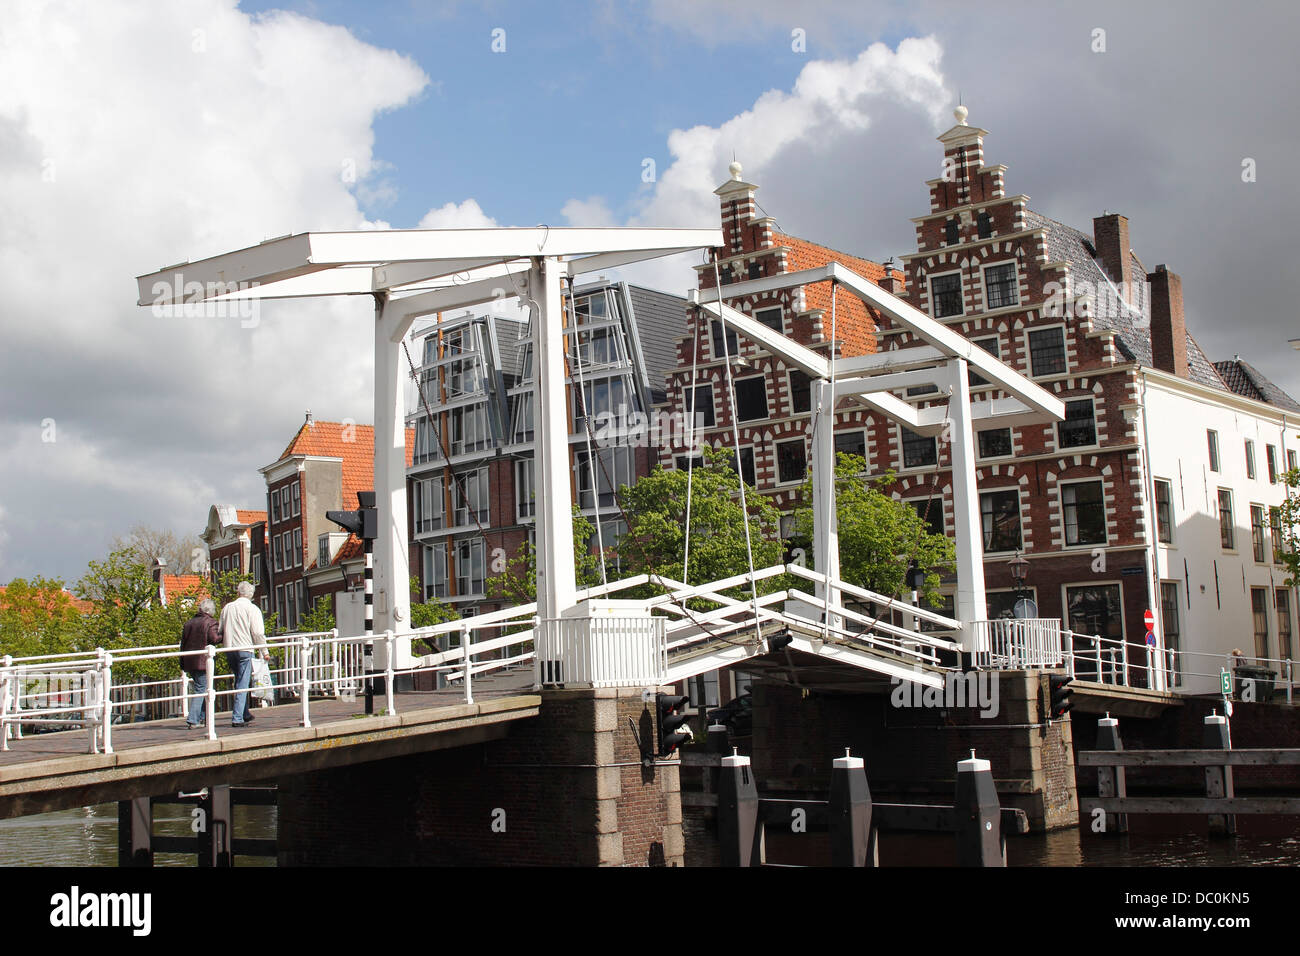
x=1018 y=643
x=601 y=651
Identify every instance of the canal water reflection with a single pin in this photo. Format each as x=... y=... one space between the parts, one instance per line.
x=88 y=836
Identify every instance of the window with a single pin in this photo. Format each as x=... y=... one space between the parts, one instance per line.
x=990 y=345
x=613 y=470
x=469 y=428
x=297 y=499
x=470 y=567
x=800 y=391
x=771 y=318
x=1270 y=452
x=921 y=389
x=918 y=450
x=1259 y=620
x=605 y=401
x=1250 y=458
x=945 y=293
x=1080 y=427
x=930 y=511
x=275 y=506
x=731 y=343
x=1170 y=620
x=1085 y=513
x=1282 y=598
x=685 y=464
x=297 y=548
x=1002 y=604
x=1164 y=511
x=1257 y=533
x=746 y=465
x=521 y=414
x=525 y=492
x=1212 y=437
x=1275 y=523
x=951 y=234
x=323 y=551
x=1225 y=519
x=470 y=497
x=751 y=399
x=995 y=443
x=699 y=402
x=851 y=443
x=1000 y=286
x=428 y=505
x=1095 y=609
x=285 y=502
x=984 y=224
x=1047 y=351
x=755 y=270
x=1000 y=519
x=1290 y=460
x=257 y=573
x=302 y=599
x=279 y=603
x=791 y=461
x=279 y=553
x=435 y=571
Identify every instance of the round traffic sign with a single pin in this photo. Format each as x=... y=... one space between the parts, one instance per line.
x=1150 y=620
x=1151 y=639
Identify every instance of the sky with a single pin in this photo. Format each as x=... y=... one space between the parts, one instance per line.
x=139 y=133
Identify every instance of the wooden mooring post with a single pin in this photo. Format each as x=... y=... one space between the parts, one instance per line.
x=1110 y=780
x=214 y=842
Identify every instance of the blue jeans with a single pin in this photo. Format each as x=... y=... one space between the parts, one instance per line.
x=241 y=665
x=198 y=703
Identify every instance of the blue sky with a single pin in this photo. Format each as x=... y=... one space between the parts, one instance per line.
x=137 y=134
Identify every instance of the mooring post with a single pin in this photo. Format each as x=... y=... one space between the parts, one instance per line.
x=738 y=827
x=1218 y=780
x=715 y=743
x=853 y=842
x=979 y=817
x=215 y=834
x=1110 y=780
x=135 y=832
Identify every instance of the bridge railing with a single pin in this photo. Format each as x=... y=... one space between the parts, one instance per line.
x=1019 y=643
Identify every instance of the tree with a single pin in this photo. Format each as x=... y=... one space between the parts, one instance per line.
x=179 y=554
x=879 y=536
x=37 y=617
x=656 y=538
x=516 y=581
x=1287 y=530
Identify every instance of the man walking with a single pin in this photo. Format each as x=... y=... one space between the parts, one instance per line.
x=244 y=634
x=199 y=632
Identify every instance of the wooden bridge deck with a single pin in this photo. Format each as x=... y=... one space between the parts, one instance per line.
x=54 y=771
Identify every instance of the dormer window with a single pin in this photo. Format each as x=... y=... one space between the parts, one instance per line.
x=984 y=225
x=950 y=232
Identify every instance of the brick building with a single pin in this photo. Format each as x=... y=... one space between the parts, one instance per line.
x=236 y=540
x=1081 y=316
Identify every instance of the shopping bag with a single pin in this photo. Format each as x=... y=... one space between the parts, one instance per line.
x=263 y=688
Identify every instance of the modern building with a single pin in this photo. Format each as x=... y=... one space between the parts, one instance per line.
x=472 y=474
x=1149 y=418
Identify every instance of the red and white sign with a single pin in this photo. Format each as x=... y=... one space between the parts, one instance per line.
x=1150 y=620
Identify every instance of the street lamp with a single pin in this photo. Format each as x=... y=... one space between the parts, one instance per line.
x=1019 y=572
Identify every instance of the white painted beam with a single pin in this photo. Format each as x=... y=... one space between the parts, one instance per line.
x=800 y=356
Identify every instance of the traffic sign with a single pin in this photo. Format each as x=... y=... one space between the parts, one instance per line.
x=1151 y=639
x=1225 y=682
x=1149 y=619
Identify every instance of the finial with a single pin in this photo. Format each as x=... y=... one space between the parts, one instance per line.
x=972 y=753
x=961 y=113
x=735 y=170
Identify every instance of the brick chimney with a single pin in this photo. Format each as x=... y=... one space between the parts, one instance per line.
x=739 y=210
x=892 y=281
x=1110 y=235
x=1168 y=330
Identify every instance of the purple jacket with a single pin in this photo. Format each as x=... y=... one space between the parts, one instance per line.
x=200 y=631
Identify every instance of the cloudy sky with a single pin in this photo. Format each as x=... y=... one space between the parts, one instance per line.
x=139 y=133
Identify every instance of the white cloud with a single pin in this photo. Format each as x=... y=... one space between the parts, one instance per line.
x=591 y=212
x=466 y=215
x=133 y=136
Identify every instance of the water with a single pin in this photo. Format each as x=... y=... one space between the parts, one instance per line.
x=87 y=836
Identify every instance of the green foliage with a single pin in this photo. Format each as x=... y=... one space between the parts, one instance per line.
x=37 y=617
x=1289 y=526
x=516 y=582
x=656 y=539
x=878 y=535
x=320 y=617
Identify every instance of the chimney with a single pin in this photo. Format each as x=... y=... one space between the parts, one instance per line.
x=1168 y=330
x=892 y=281
x=1110 y=235
x=309 y=421
x=739 y=208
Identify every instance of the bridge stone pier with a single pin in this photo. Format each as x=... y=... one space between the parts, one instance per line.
x=565 y=787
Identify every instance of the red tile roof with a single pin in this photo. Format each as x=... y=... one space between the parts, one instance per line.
x=355 y=444
x=55 y=599
x=183 y=585
x=250 y=517
x=855 y=324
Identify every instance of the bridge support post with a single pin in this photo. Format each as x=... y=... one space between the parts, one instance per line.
x=853 y=840
x=978 y=815
x=738 y=828
x=969 y=603
x=1218 y=780
x=1110 y=780
x=135 y=832
x=216 y=835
